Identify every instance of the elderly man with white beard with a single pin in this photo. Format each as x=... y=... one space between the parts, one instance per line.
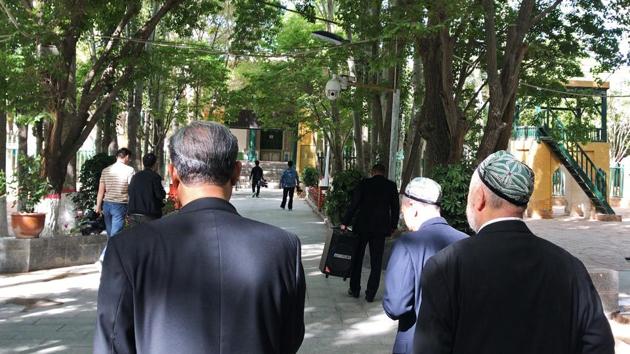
x=505 y=290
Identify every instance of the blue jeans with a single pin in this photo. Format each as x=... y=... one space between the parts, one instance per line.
x=114 y=215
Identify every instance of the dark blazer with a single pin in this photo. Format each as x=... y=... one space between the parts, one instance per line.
x=376 y=201
x=204 y=280
x=402 y=279
x=507 y=291
x=146 y=194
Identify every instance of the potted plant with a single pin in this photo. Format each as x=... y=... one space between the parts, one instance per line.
x=31 y=187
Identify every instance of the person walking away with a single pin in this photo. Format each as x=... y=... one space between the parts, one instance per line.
x=255 y=176
x=428 y=234
x=505 y=290
x=146 y=193
x=205 y=279
x=112 y=196
x=288 y=181
x=375 y=202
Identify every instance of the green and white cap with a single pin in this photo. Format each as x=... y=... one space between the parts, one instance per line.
x=424 y=190
x=507 y=177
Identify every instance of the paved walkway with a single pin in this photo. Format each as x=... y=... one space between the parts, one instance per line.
x=53 y=311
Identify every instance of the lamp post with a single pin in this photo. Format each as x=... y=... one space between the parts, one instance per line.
x=395 y=129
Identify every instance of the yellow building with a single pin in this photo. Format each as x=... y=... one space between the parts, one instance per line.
x=571 y=177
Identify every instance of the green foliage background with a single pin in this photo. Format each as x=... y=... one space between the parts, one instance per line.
x=310 y=176
x=31 y=185
x=455 y=180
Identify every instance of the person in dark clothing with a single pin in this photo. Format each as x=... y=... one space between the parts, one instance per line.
x=505 y=290
x=375 y=201
x=146 y=193
x=256 y=176
x=429 y=233
x=288 y=182
x=204 y=280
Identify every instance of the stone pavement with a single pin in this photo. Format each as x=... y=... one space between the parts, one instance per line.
x=54 y=311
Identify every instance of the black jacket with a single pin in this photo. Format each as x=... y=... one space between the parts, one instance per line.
x=507 y=291
x=146 y=194
x=256 y=174
x=376 y=200
x=204 y=280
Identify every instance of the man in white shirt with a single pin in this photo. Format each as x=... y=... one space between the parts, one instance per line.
x=113 y=196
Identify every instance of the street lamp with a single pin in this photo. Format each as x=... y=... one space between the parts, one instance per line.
x=333 y=88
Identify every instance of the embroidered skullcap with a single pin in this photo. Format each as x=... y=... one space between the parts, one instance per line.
x=507 y=177
x=424 y=190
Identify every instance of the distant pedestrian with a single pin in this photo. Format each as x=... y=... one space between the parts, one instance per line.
x=113 y=197
x=204 y=280
x=506 y=290
x=146 y=193
x=429 y=233
x=375 y=202
x=288 y=182
x=255 y=177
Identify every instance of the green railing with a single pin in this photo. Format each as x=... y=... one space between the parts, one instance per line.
x=525 y=132
x=616 y=181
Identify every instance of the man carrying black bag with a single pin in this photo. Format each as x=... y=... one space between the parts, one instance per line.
x=376 y=201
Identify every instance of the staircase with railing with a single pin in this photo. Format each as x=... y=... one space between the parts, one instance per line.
x=590 y=178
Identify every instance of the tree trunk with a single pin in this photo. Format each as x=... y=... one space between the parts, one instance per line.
x=4 y=231
x=337 y=143
x=38 y=132
x=413 y=138
x=134 y=107
x=22 y=140
x=433 y=126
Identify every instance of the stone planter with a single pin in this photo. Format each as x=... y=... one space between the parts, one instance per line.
x=27 y=225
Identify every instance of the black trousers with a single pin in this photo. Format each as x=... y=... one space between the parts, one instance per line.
x=287 y=191
x=135 y=219
x=256 y=187
x=377 y=246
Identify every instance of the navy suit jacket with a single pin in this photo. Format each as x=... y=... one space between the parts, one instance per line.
x=402 y=279
x=204 y=280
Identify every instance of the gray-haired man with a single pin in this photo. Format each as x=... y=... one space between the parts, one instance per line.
x=205 y=280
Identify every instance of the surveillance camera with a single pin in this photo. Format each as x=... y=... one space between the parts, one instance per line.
x=333 y=88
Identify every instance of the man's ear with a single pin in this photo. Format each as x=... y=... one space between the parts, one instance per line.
x=236 y=174
x=172 y=171
x=481 y=199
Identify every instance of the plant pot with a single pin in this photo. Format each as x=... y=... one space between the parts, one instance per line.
x=27 y=225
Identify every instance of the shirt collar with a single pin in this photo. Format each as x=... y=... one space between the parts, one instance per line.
x=433 y=221
x=209 y=203
x=498 y=220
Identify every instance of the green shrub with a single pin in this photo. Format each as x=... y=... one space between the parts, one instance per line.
x=90 y=177
x=3 y=183
x=340 y=195
x=310 y=176
x=31 y=185
x=454 y=180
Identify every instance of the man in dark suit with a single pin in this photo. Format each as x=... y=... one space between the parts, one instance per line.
x=146 y=193
x=429 y=233
x=204 y=280
x=506 y=290
x=375 y=201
